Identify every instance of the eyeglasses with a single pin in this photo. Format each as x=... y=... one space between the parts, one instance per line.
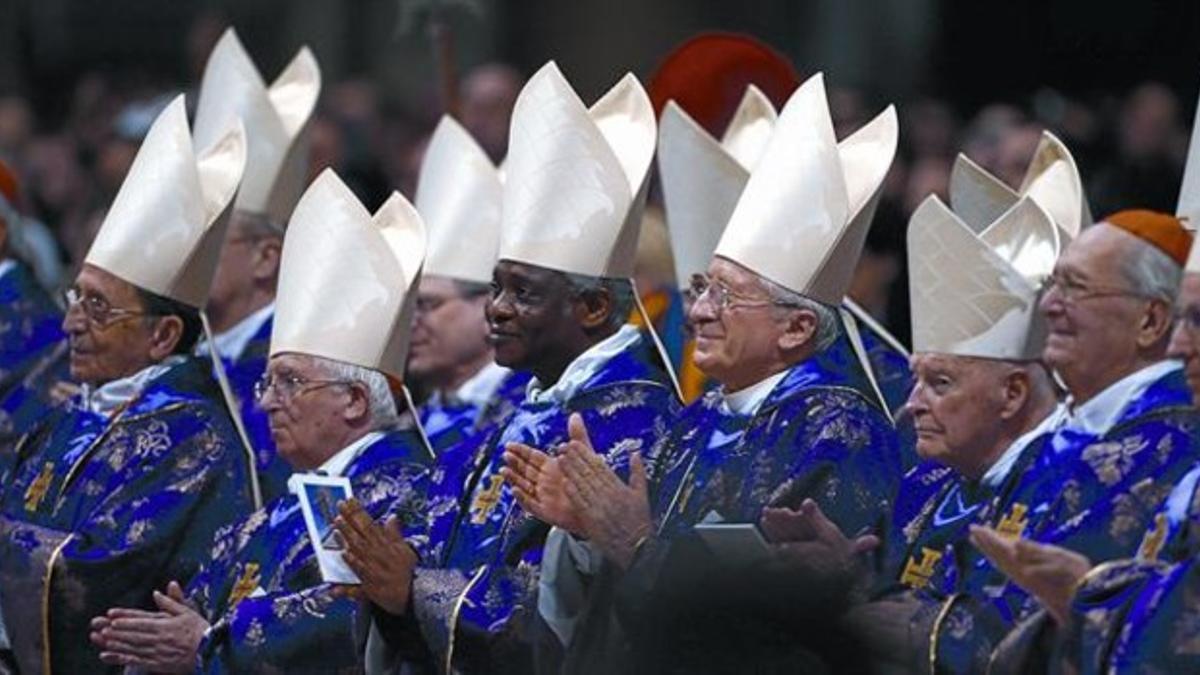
x=723 y=298
x=1072 y=292
x=1188 y=318
x=288 y=387
x=97 y=309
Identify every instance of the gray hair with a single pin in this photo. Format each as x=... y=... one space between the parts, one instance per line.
x=620 y=290
x=1150 y=272
x=379 y=396
x=828 y=325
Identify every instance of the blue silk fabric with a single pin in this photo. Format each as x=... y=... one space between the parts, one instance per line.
x=263 y=587
x=1096 y=496
x=820 y=433
x=33 y=353
x=1143 y=614
x=462 y=449
x=475 y=590
x=448 y=423
x=892 y=371
x=98 y=512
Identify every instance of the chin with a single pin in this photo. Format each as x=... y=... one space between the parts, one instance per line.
x=930 y=451
x=511 y=356
x=80 y=372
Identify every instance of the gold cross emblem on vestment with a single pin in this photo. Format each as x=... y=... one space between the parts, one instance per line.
x=38 y=488
x=917 y=574
x=485 y=501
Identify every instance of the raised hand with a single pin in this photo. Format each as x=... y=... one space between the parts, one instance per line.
x=1049 y=573
x=378 y=554
x=539 y=485
x=805 y=539
x=613 y=515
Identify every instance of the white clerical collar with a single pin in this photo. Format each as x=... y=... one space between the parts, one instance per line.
x=1098 y=415
x=336 y=465
x=481 y=387
x=747 y=400
x=999 y=470
x=231 y=343
x=583 y=367
x=105 y=399
x=7 y=265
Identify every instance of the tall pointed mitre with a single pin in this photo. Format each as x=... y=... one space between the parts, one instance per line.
x=346 y=278
x=703 y=178
x=458 y=197
x=1188 y=207
x=164 y=230
x=1052 y=179
x=977 y=294
x=276 y=120
x=803 y=217
x=575 y=178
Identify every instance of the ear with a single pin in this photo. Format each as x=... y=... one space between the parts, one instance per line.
x=1017 y=388
x=266 y=258
x=359 y=408
x=800 y=330
x=1155 y=325
x=168 y=331
x=593 y=308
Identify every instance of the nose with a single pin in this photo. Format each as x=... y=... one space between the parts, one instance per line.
x=74 y=321
x=499 y=308
x=1051 y=303
x=916 y=401
x=702 y=310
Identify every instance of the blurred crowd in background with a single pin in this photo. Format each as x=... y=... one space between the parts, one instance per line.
x=1129 y=144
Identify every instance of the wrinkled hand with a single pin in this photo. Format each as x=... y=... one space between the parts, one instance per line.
x=540 y=486
x=805 y=538
x=378 y=554
x=1050 y=573
x=613 y=515
x=164 y=641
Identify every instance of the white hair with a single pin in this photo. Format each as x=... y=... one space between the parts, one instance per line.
x=827 y=318
x=1150 y=272
x=379 y=396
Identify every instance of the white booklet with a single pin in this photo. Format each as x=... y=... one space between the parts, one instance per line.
x=319 y=497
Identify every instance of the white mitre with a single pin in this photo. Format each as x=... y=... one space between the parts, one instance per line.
x=346 y=278
x=276 y=120
x=575 y=177
x=803 y=216
x=1052 y=179
x=459 y=198
x=163 y=232
x=977 y=294
x=702 y=177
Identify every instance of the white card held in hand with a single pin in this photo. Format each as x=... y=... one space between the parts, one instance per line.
x=735 y=543
x=319 y=497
